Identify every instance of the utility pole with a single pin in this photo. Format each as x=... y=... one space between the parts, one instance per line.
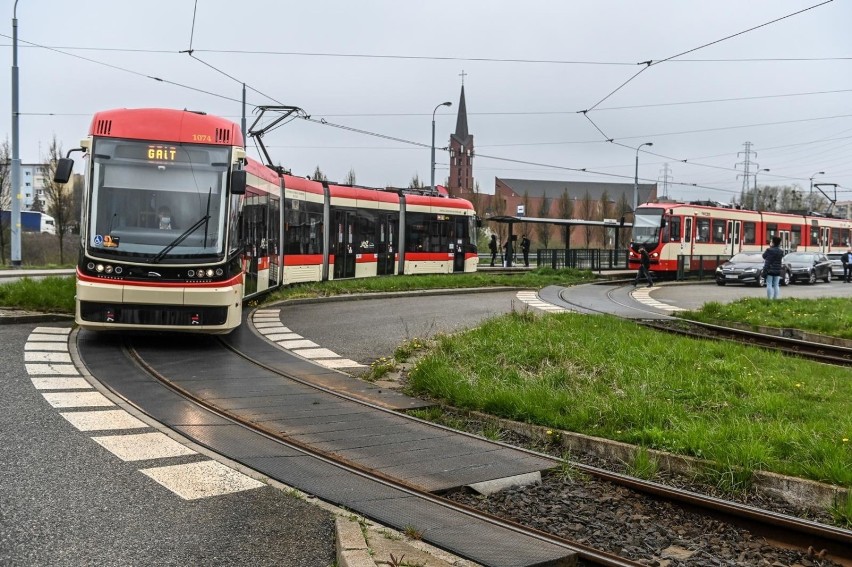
x=15 y=189
x=665 y=179
x=746 y=163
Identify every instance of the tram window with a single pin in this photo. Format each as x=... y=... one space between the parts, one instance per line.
x=796 y=237
x=366 y=237
x=719 y=231
x=839 y=236
x=771 y=230
x=687 y=233
x=749 y=233
x=674 y=229
x=702 y=231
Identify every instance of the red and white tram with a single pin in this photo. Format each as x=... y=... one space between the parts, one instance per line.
x=179 y=226
x=695 y=231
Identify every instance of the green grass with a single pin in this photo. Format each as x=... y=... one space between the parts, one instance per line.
x=827 y=316
x=51 y=294
x=533 y=279
x=56 y=294
x=744 y=408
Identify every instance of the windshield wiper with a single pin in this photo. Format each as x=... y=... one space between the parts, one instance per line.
x=179 y=239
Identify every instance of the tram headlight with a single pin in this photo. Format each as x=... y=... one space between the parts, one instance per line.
x=90 y=266
x=108 y=269
x=118 y=269
x=190 y=273
x=219 y=271
x=99 y=268
x=210 y=272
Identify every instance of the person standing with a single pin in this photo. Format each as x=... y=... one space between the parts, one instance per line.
x=773 y=268
x=492 y=246
x=525 y=248
x=644 y=267
x=507 y=246
x=846 y=258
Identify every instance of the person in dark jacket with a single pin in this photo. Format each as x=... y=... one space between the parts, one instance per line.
x=644 y=267
x=525 y=248
x=846 y=258
x=492 y=246
x=773 y=268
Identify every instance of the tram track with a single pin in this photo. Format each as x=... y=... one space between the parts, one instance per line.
x=586 y=554
x=777 y=527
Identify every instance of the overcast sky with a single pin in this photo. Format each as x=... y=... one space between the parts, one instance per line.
x=383 y=65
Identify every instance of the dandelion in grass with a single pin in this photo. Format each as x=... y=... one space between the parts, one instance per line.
x=845 y=440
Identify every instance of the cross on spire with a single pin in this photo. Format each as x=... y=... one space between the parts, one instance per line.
x=462 y=75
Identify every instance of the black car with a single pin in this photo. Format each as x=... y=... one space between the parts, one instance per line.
x=836 y=264
x=808 y=267
x=745 y=268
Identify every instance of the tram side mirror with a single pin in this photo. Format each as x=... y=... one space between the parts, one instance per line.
x=478 y=222
x=63 y=170
x=238 y=182
x=663 y=223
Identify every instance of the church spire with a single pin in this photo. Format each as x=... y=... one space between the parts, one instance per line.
x=461 y=122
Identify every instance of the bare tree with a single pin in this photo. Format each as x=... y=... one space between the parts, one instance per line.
x=543 y=229
x=587 y=203
x=604 y=211
x=415 y=182
x=319 y=175
x=5 y=196
x=59 y=197
x=350 y=178
x=566 y=211
x=622 y=208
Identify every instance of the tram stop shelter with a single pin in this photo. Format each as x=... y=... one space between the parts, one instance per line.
x=616 y=224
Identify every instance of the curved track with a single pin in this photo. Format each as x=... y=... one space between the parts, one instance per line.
x=264 y=407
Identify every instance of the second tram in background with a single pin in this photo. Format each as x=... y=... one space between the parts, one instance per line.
x=700 y=233
x=179 y=226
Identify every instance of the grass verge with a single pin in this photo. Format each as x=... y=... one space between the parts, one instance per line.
x=744 y=408
x=826 y=316
x=51 y=294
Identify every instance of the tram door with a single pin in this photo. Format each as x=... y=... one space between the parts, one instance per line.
x=344 y=240
x=785 y=240
x=457 y=243
x=734 y=236
x=387 y=244
x=824 y=239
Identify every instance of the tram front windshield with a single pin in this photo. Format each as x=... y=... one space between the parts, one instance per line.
x=646 y=226
x=157 y=200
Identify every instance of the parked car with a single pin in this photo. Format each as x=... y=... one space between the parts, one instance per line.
x=808 y=267
x=745 y=268
x=836 y=264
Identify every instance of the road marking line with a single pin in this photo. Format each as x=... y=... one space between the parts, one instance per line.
x=276 y=324
x=143 y=446
x=338 y=363
x=61 y=384
x=298 y=344
x=42 y=337
x=34 y=356
x=76 y=399
x=284 y=337
x=55 y=369
x=314 y=353
x=531 y=298
x=201 y=480
x=53 y=330
x=63 y=346
x=103 y=420
x=279 y=328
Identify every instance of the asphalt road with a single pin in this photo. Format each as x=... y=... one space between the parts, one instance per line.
x=66 y=500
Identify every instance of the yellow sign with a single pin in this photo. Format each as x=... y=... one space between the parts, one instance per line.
x=162 y=153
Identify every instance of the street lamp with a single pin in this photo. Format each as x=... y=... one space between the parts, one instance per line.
x=15 y=220
x=754 y=197
x=812 y=180
x=432 y=163
x=636 y=179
